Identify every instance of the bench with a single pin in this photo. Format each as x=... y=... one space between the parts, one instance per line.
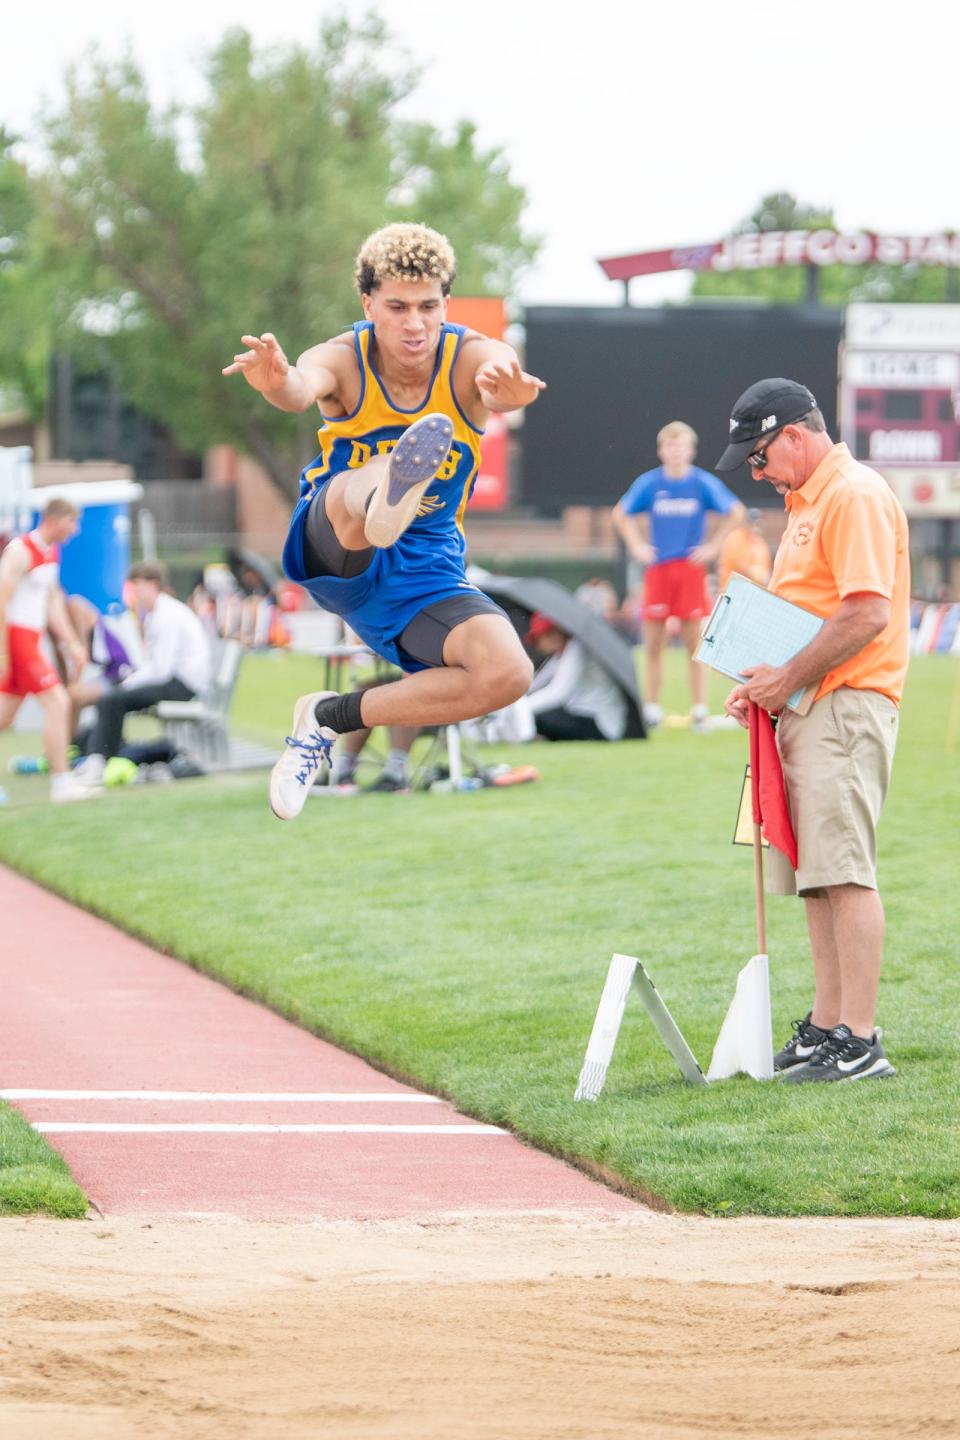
x=199 y=726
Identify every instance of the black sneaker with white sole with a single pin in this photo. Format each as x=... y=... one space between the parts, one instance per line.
x=388 y=785
x=843 y=1056
x=801 y=1045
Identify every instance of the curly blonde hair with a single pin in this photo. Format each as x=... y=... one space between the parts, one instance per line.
x=405 y=252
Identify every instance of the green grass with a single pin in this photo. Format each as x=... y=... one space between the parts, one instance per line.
x=462 y=941
x=32 y=1176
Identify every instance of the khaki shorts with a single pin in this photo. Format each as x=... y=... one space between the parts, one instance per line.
x=836 y=767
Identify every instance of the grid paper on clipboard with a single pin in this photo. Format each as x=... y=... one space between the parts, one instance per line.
x=750 y=626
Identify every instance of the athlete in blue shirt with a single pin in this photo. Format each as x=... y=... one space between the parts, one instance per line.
x=661 y=520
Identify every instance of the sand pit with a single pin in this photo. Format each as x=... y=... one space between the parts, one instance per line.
x=497 y=1326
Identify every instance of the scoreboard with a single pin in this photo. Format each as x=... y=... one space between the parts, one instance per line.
x=900 y=400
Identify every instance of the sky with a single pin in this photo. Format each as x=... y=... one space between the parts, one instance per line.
x=630 y=127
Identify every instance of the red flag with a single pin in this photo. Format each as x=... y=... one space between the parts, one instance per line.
x=767 y=793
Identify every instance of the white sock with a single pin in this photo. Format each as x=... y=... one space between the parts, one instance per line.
x=91 y=767
x=60 y=782
x=395 y=766
x=344 y=769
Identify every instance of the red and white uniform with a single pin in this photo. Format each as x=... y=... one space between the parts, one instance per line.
x=28 y=669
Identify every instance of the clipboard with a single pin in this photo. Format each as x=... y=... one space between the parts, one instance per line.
x=750 y=626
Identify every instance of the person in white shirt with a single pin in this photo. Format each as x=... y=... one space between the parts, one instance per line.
x=572 y=697
x=175 y=666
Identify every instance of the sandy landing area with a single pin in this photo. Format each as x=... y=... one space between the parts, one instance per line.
x=512 y=1327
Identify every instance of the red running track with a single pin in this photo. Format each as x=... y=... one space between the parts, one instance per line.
x=89 y=1010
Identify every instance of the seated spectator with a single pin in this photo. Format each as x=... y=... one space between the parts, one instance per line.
x=110 y=651
x=599 y=596
x=571 y=696
x=203 y=602
x=175 y=666
x=259 y=587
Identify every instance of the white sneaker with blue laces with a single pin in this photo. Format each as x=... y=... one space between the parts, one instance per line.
x=307 y=748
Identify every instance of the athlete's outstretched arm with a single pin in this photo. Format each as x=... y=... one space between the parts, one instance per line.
x=293 y=388
x=500 y=382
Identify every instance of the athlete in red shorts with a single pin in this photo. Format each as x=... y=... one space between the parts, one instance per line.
x=675 y=588
x=661 y=519
x=30 y=600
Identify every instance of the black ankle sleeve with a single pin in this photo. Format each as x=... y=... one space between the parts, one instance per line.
x=340 y=712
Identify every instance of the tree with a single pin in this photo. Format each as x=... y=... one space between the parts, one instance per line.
x=472 y=187
x=836 y=284
x=27 y=289
x=183 y=230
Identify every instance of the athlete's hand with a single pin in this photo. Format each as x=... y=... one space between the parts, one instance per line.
x=76 y=658
x=504 y=386
x=703 y=554
x=264 y=365
x=643 y=552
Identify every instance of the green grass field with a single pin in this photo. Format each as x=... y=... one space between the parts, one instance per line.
x=461 y=941
x=32 y=1176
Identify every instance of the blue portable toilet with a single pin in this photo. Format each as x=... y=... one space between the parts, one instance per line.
x=95 y=562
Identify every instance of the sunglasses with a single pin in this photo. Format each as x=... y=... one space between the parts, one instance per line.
x=757 y=459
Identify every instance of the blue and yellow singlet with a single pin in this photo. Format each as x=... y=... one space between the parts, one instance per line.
x=426 y=563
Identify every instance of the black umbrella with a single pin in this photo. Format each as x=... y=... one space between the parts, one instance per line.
x=243 y=562
x=609 y=648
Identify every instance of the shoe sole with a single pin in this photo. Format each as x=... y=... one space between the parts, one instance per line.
x=414 y=462
x=880 y=1070
x=305 y=703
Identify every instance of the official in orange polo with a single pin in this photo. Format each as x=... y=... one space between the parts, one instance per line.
x=844 y=555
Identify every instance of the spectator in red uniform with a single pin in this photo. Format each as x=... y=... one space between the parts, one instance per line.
x=31 y=601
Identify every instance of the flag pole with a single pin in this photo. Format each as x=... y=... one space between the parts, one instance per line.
x=758 y=888
x=754 y=728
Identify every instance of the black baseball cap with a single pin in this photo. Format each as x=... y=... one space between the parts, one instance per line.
x=760 y=412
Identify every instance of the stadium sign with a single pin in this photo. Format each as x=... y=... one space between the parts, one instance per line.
x=764 y=249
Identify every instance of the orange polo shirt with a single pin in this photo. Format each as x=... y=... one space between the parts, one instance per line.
x=847 y=534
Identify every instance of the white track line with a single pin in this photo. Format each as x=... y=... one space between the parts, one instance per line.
x=69 y=1127
x=368 y=1097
